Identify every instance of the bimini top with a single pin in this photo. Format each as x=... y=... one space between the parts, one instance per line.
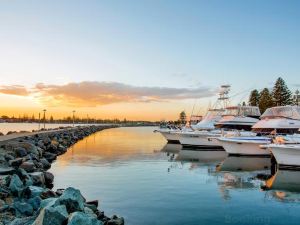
x=252 y=111
x=290 y=112
x=208 y=122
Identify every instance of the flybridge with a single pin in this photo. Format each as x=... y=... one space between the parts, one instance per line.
x=290 y=112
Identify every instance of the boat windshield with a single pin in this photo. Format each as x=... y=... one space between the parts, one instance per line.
x=242 y=111
x=291 y=112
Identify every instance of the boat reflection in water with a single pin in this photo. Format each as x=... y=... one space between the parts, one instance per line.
x=171 y=148
x=201 y=156
x=235 y=163
x=285 y=185
x=241 y=173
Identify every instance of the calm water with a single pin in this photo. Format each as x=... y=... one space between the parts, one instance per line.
x=136 y=175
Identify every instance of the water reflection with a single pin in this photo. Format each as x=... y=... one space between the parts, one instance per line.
x=171 y=148
x=285 y=185
x=114 y=146
x=201 y=156
x=241 y=173
x=135 y=174
x=233 y=163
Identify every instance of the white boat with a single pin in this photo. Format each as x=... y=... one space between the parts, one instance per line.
x=246 y=145
x=286 y=154
x=284 y=120
x=239 y=118
x=242 y=117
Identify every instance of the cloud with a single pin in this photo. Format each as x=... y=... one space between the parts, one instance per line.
x=14 y=90
x=91 y=94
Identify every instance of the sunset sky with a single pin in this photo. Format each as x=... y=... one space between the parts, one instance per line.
x=141 y=59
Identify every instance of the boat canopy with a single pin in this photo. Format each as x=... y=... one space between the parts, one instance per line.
x=242 y=111
x=290 y=112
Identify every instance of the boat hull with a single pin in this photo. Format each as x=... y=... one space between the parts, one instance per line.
x=170 y=137
x=244 y=148
x=203 y=141
x=286 y=155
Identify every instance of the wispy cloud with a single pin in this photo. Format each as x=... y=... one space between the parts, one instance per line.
x=90 y=94
x=14 y=90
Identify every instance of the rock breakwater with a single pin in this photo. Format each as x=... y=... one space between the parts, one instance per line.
x=26 y=195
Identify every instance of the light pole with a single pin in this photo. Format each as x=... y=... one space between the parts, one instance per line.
x=39 y=120
x=44 y=118
x=73 y=117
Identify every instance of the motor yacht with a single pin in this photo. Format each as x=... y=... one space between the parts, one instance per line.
x=282 y=121
x=236 y=120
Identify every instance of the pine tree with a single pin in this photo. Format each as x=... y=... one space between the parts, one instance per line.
x=254 y=98
x=281 y=93
x=265 y=100
x=182 y=117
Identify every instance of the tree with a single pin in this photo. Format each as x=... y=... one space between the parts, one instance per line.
x=254 y=98
x=265 y=100
x=281 y=93
x=182 y=117
x=51 y=119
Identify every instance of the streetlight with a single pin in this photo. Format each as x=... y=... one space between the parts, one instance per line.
x=39 y=120
x=73 y=117
x=44 y=118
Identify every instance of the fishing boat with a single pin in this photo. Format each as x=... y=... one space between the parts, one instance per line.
x=282 y=121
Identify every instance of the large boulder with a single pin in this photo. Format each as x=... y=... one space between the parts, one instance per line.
x=16 y=185
x=49 y=156
x=15 y=162
x=33 y=191
x=45 y=163
x=23 y=208
x=116 y=221
x=49 y=177
x=6 y=170
x=22 y=221
x=20 y=151
x=72 y=199
x=28 y=166
x=52 y=216
x=35 y=202
x=37 y=178
x=80 y=218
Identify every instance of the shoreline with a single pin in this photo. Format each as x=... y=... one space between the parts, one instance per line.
x=26 y=195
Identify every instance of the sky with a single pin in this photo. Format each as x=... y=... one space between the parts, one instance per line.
x=142 y=60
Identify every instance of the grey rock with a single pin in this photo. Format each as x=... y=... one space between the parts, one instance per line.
x=45 y=163
x=52 y=216
x=50 y=156
x=37 y=178
x=21 y=152
x=80 y=218
x=16 y=185
x=28 y=166
x=34 y=191
x=49 y=202
x=5 y=180
x=23 y=208
x=22 y=221
x=72 y=199
x=49 y=177
x=35 y=202
x=116 y=221
x=6 y=170
x=89 y=211
x=15 y=162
